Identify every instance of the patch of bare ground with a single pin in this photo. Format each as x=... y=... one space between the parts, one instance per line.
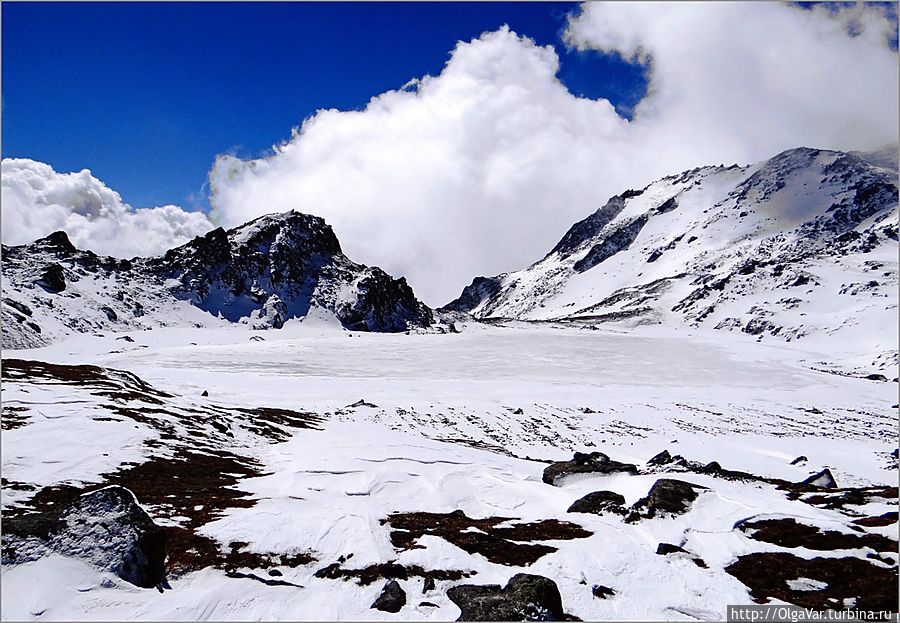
x=13 y=417
x=885 y=519
x=115 y=384
x=790 y=533
x=189 y=481
x=271 y=423
x=780 y=575
x=207 y=425
x=193 y=487
x=839 y=498
x=389 y=571
x=508 y=544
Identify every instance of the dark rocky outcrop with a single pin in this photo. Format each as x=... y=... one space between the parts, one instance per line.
x=58 y=242
x=391 y=599
x=667 y=496
x=581 y=463
x=262 y=274
x=481 y=289
x=664 y=549
x=822 y=479
x=599 y=502
x=389 y=571
x=53 y=278
x=664 y=458
x=106 y=528
x=281 y=265
x=524 y=598
x=589 y=227
x=602 y=592
x=499 y=539
x=612 y=243
x=667 y=206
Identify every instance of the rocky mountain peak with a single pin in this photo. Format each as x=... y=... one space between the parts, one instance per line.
x=756 y=248
x=264 y=273
x=57 y=242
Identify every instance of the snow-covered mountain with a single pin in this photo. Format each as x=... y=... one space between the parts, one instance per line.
x=263 y=273
x=564 y=470
x=803 y=245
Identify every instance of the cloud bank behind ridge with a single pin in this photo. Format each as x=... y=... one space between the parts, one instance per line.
x=38 y=201
x=481 y=169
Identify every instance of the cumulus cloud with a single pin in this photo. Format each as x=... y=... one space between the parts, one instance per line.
x=739 y=80
x=38 y=201
x=480 y=169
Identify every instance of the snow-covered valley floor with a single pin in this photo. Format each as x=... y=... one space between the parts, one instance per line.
x=364 y=431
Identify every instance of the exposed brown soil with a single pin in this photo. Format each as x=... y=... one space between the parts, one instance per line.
x=873 y=587
x=838 y=498
x=116 y=384
x=192 y=484
x=135 y=399
x=499 y=544
x=876 y=522
x=389 y=571
x=790 y=533
x=195 y=484
x=269 y=422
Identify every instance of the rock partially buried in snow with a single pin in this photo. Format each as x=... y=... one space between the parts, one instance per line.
x=664 y=549
x=273 y=315
x=599 y=502
x=664 y=458
x=107 y=528
x=593 y=463
x=525 y=598
x=822 y=479
x=391 y=599
x=602 y=592
x=666 y=496
x=362 y=403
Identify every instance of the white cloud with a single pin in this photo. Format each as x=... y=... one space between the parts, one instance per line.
x=740 y=80
x=38 y=201
x=481 y=169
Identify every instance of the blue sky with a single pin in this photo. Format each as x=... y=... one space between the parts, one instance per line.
x=147 y=94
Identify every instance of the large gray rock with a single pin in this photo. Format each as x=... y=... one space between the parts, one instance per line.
x=667 y=496
x=599 y=502
x=593 y=463
x=391 y=599
x=822 y=479
x=524 y=598
x=106 y=528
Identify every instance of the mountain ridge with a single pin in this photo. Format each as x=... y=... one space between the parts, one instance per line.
x=710 y=247
x=263 y=273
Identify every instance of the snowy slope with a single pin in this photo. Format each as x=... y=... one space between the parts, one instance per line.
x=261 y=274
x=801 y=246
x=287 y=512
x=350 y=460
